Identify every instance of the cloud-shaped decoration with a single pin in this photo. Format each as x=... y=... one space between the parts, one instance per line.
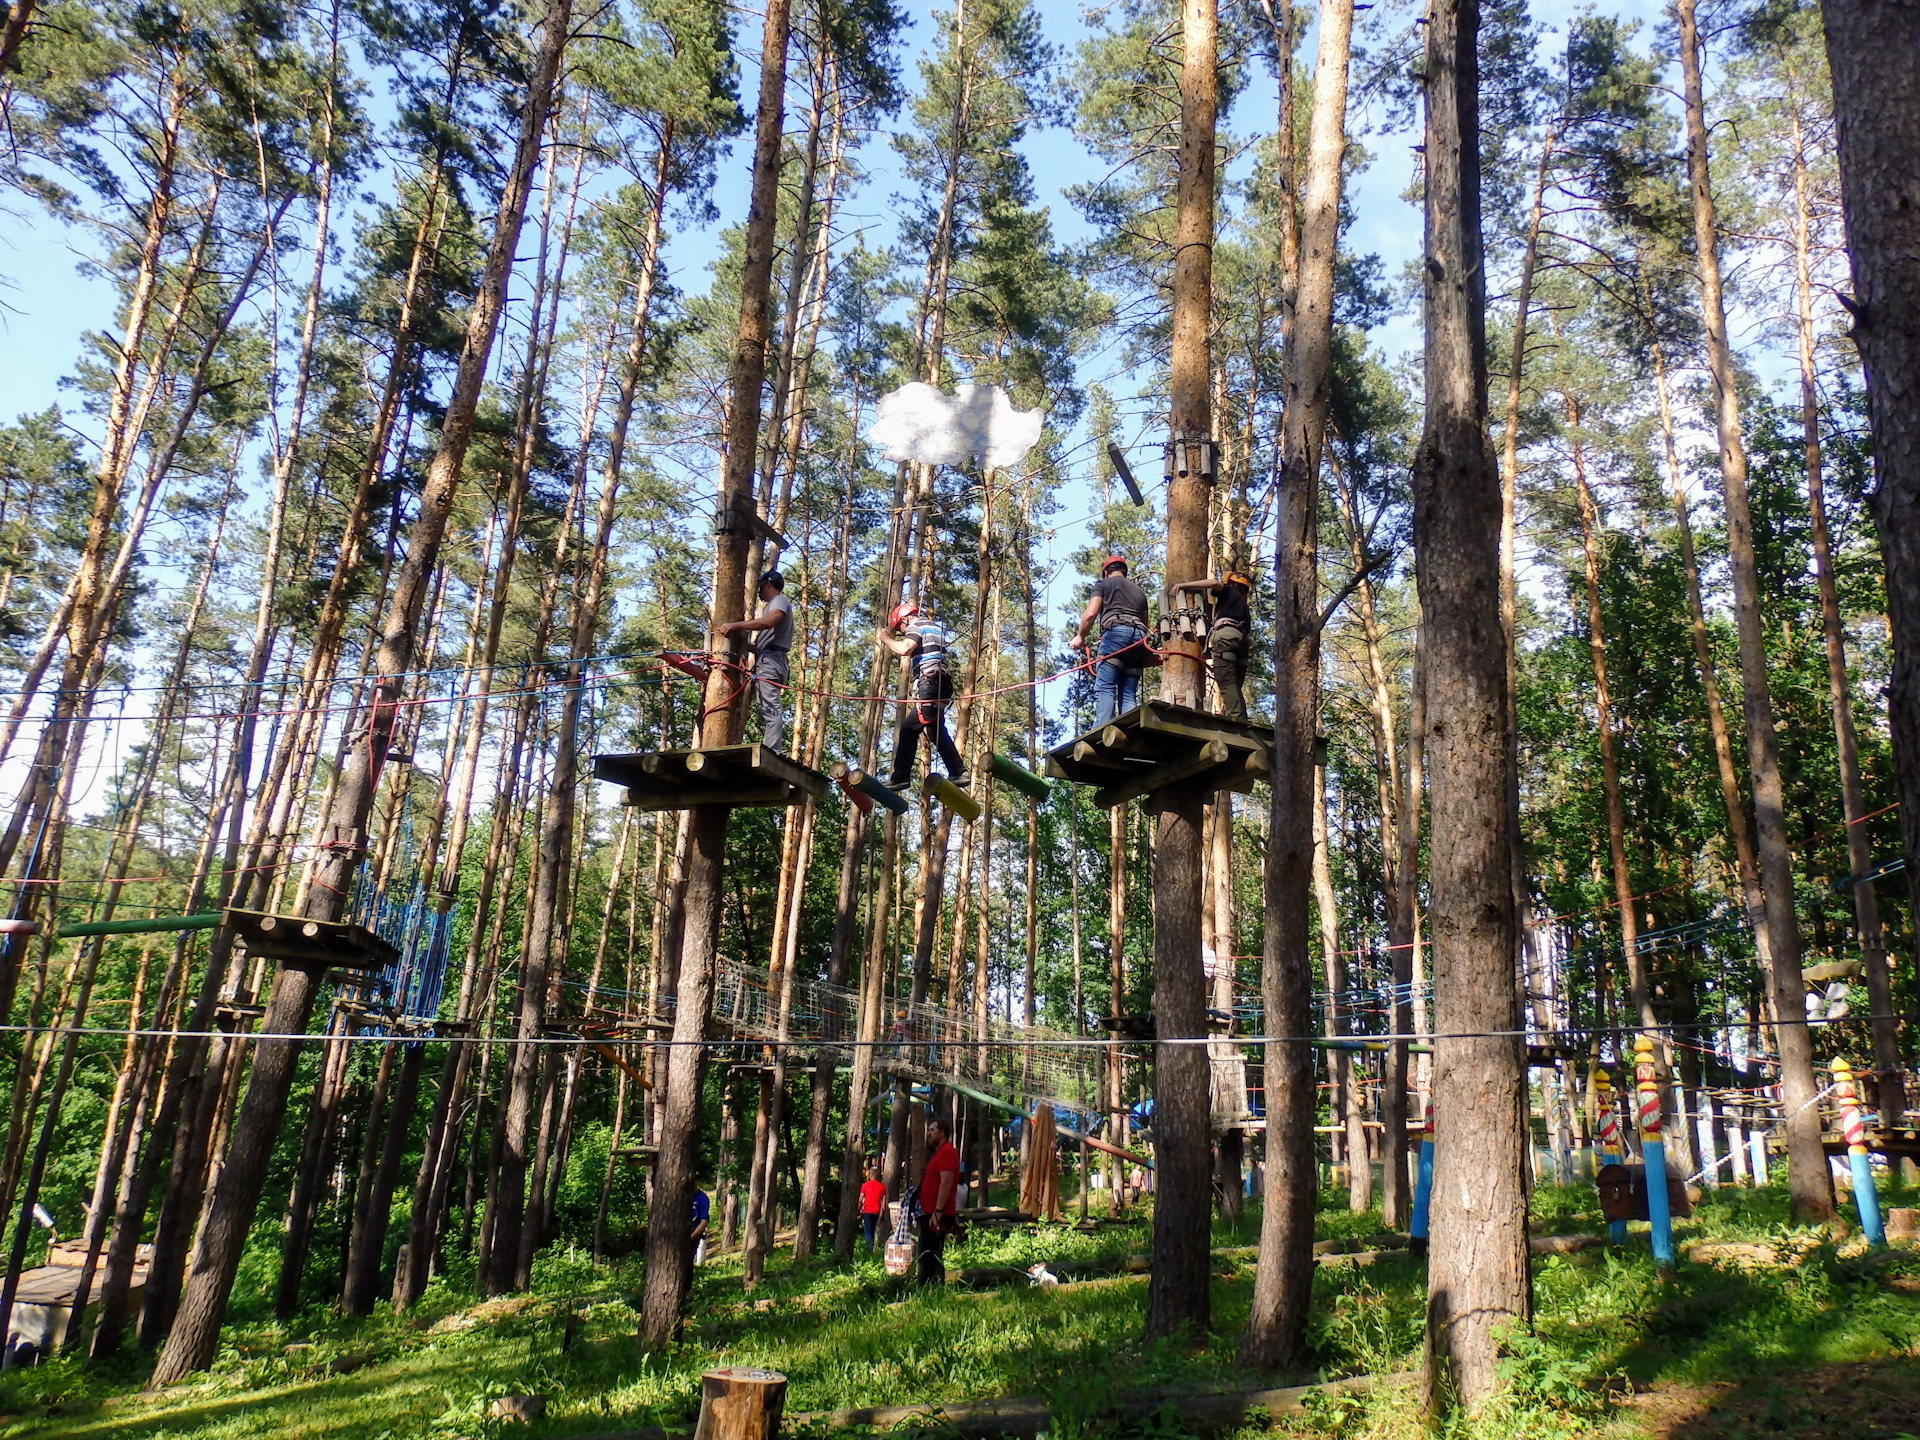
x=918 y=422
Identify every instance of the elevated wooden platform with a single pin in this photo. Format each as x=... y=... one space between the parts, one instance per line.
x=1891 y=1143
x=1156 y=746
x=741 y=776
x=295 y=940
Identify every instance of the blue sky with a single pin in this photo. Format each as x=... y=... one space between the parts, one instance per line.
x=50 y=299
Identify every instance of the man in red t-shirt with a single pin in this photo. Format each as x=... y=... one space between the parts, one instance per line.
x=873 y=1199
x=939 y=1197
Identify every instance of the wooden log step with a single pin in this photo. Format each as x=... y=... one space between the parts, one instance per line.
x=299 y=941
x=739 y=776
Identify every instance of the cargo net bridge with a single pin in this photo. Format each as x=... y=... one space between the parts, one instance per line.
x=1005 y=1065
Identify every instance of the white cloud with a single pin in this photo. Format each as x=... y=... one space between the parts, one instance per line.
x=919 y=422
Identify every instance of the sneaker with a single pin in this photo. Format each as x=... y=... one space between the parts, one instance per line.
x=962 y=780
x=894 y=782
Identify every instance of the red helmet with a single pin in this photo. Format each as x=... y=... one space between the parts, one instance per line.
x=1113 y=560
x=901 y=613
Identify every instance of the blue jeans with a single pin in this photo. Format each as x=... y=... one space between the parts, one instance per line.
x=871 y=1225
x=1116 y=683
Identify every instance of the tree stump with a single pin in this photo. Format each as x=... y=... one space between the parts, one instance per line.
x=740 y=1403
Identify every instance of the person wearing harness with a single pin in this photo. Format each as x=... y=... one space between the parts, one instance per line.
x=1228 y=619
x=916 y=638
x=1121 y=608
x=775 y=638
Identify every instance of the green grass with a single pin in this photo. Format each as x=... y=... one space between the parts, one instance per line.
x=847 y=1336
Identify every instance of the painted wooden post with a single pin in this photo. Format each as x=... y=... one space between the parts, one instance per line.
x=1612 y=1152
x=1854 y=1126
x=1653 y=1151
x=1422 y=1190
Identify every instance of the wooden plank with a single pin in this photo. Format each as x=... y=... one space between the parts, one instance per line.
x=740 y=796
x=1163 y=777
x=773 y=762
x=742 y=775
x=1198 y=725
x=298 y=940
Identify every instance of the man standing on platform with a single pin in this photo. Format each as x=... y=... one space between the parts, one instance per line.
x=939 y=1197
x=1121 y=608
x=1229 y=617
x=775 y=627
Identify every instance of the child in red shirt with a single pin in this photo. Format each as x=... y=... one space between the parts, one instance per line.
x=873 y=1199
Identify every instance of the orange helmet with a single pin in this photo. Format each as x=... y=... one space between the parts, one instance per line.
x=1112 y=561
x=901 y=613
x=1234 y=577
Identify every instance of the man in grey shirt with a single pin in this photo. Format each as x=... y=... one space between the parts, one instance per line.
x=775 y=638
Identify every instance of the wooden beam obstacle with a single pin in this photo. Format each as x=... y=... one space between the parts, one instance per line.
x=298 y=941
x=743 y=777
x=1157 y=745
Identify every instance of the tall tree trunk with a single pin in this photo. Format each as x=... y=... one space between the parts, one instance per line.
x=1746 y=866
x=1477 y=1266
x=1809 y=1184
x=1866 y=903
x=1277 y=1326
x=1177 y=1299
x=1876 y=105
x=669 y=1259
x=196 y=1330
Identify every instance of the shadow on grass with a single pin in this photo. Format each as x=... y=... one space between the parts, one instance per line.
x=1865 y=1400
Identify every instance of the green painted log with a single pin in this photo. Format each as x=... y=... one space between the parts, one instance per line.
x=158 y=925
x=1020 y=778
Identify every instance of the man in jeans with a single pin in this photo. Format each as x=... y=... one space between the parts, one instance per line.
x=775 y=638
x=939 y=1197
x=1121 y=608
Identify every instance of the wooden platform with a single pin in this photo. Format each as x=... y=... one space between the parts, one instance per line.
x=1156 y=746
x=1904 y=1142
x=740 y=776
x=294 y=940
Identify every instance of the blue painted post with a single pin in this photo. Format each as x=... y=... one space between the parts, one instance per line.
x=1422 y=1191
x=1653 y=1150
x=1611 y=1150
x=1854 y=1126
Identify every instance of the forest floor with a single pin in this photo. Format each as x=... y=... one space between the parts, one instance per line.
x=1765 y=1330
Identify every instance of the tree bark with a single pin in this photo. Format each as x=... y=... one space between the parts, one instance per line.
x=1276 y=1327
x=1876 y=104
x=196 y=1330
x=1477 y=1264
x=1866 y=903
x=669 y=1258
x=1177 y=1297
x=1809 y=1183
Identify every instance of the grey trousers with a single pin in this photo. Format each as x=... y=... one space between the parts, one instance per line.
x=1227 y=645
x=769 y=683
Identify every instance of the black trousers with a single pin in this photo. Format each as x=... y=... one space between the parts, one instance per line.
x=932 y=1268
x=928 y=712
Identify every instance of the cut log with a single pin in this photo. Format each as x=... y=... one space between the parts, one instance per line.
x=739 y=1402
